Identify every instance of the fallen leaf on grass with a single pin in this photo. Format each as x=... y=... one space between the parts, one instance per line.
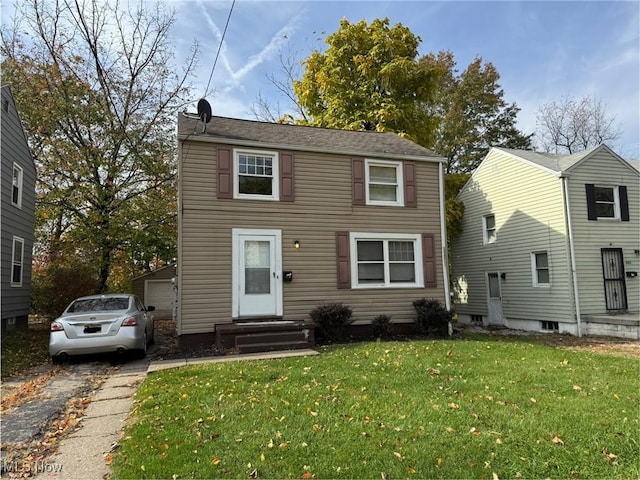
x=557 y=439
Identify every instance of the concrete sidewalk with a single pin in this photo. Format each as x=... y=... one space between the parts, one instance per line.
x=83 y=454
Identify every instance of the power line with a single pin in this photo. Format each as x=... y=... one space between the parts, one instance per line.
x=219 y=47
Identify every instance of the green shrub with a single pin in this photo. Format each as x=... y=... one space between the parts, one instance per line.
x=432 y=317
x=331 y=319
x=382 y=328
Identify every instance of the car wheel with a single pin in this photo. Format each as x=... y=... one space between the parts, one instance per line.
x=143 y=351
x=152 y=340
x=57 y=359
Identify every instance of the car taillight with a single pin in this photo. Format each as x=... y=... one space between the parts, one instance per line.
x=130 y=322
x=56 y=327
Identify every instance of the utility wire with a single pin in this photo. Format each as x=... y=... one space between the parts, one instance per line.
x=219 y=47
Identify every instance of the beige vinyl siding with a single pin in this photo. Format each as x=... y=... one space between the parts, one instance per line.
x=529 y=214
x=322 y=207
x=591 y=236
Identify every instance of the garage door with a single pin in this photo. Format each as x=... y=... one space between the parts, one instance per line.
x=160 y=294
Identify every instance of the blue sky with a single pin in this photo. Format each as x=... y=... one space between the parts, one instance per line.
x=542 y=50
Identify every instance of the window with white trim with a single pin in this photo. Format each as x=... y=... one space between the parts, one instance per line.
x=17 y=261
x=386 y=260
x=384 y=183
x=16 y=186
x=255 y=175
x=540 y=271
x=607 y=202
x=489 y=229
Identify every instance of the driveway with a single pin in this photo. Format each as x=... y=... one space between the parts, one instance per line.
x=43 y=407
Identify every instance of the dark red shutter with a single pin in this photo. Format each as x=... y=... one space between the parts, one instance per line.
x=343 y=269
x=591 y=201
x=429 y=260
x=624 y=203
x=287 y=187
x=357 y=181
x=225 y=171
x=410 y=193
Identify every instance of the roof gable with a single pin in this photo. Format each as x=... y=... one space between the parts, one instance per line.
x=298 y=137
x=562 y=164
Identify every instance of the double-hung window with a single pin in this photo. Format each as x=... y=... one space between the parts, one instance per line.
x=607 y=202
x=17 y=261
x=540 y=269
x=16 y=187
x=489 y=229
x=256 y=175
x=386 y=260
x=384 y=183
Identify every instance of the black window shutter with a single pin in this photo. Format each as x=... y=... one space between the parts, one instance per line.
x=590 y=189
x=624 y=203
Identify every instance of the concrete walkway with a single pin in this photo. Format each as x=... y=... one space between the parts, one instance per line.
x=83 y=454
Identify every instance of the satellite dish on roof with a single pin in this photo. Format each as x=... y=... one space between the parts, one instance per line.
x=204 y=110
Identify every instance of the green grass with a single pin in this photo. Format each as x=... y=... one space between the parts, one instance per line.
x=22 y=350
x=423 y=409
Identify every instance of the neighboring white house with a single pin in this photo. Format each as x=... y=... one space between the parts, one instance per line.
x=550 y=243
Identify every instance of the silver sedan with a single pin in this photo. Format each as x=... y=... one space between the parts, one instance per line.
x=102 y=324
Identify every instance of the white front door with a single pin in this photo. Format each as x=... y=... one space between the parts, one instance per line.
x=494 y=299
x=257 y=266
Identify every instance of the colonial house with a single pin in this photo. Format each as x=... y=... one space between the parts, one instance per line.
x=17 y=206
x=550 y=243
x=276 y=219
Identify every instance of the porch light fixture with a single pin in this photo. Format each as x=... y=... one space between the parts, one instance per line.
x=296 y=244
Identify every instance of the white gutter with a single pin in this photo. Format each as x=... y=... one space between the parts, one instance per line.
x=572 y=252
x=443 y=237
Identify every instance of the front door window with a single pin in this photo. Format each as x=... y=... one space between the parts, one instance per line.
x=257 y=267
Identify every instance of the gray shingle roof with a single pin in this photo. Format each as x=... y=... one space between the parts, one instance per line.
x=297 y=137
x=555 y=162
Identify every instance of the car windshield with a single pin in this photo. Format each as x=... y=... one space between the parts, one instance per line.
x=99 y=304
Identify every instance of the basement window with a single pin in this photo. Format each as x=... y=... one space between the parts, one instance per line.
x=550 y=326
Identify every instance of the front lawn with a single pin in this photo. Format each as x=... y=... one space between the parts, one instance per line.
x=485 y=408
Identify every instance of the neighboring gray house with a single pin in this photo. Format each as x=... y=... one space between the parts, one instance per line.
x=275 y=219
x=551 y=243
x=17 y=205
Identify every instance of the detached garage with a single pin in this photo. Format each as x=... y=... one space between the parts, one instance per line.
x=155 y=288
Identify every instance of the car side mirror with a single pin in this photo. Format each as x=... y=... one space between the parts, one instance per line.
x=151 y=308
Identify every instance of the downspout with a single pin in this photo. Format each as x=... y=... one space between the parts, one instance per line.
x=572 y=253
x=443 y=236
x=179 y=245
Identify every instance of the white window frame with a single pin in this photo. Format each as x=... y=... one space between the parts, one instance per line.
x=399 y=182
x=354 y=237
x=14 y=263
x=535 y=268
x=616 y=203
x=485 y=231
x=275 y=175
x=20 y=171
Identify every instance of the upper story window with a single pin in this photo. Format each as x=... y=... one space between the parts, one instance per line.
x=386 y=260
x=17 y=261
x=16 y=189
x=540 y=269
x=489 y=229
x=384 y=183
x=606 y=202
x=256 y=175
